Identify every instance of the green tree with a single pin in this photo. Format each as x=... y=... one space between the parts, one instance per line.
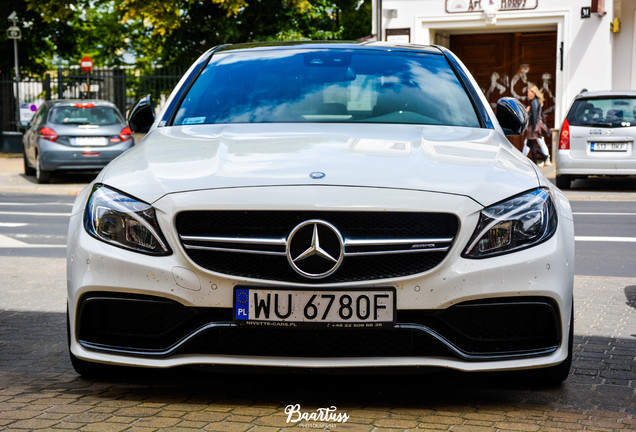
x=195 y=26
x=355 y=18
x=167 y=32
x=40 y=39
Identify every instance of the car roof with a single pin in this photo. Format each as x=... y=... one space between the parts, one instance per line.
x=360 y=45
x=606 y=93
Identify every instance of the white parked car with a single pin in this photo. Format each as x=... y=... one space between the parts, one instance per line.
x=597 y=137
x=323 y=205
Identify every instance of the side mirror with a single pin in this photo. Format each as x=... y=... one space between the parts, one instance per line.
x=512 y=116
x=142 y=116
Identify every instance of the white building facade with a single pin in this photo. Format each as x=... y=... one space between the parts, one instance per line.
x=562 y=46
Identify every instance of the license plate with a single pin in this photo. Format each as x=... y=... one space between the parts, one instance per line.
x=363 y=308
x=89 y=141
x=608 y=146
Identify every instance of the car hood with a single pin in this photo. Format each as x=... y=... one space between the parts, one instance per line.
x=478 y=163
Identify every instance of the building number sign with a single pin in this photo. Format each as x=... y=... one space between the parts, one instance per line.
x=459 y=6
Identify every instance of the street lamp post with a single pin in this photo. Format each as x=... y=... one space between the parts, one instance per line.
x=14 y=33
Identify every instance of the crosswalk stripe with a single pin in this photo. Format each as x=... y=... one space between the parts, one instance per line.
x=11 y=243
x=34 y=214
x=39 y=204
x=602 y=214
x=606 y=239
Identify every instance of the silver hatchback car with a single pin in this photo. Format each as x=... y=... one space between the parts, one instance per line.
x=80 y=135
x=597 y=137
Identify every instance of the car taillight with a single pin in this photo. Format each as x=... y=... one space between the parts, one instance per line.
x=48 y=134
x=85 y=105
x=564 y=139
x=125 y=134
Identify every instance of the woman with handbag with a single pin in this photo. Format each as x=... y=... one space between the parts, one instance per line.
x=536 y=127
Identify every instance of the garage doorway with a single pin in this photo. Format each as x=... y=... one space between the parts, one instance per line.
x=504 y=64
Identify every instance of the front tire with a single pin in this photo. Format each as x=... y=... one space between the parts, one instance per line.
x=87 y=369
x=27 y=168
x=563 y=181
x=83 y=367
x=555 y=375
x=42 y=176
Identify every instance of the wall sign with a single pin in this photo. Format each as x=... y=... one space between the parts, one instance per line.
x=402 y=35
x=463 y=6
x=585 y=12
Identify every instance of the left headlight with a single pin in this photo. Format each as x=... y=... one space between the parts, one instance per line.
x=518 y=223
x=124 y=221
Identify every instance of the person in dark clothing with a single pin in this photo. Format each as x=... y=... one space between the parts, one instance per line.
x=536 y=127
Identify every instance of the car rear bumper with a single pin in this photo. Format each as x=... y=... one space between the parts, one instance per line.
x=567 y=164
x=58 y=157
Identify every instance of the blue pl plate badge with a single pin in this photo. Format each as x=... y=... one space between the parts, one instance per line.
x=241 y=302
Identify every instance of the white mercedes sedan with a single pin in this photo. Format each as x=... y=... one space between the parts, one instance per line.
x=323 y=205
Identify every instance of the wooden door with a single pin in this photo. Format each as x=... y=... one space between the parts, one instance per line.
x=506 y=64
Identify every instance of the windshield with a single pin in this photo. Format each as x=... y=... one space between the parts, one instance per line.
x=327 y=85
x=85 y=115
x=603 y=112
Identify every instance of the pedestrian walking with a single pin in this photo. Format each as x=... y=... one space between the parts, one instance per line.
x=534 y=143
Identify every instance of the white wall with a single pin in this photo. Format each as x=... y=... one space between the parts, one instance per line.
x=589 y=51
x=589 y=47
x=623 y=76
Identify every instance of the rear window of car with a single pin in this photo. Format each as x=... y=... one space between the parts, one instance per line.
x=327 y=85
x=87 y=115
x=603 y=112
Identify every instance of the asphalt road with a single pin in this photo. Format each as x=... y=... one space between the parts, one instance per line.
x=34 y=225
x=40 y=391
x=606 y=238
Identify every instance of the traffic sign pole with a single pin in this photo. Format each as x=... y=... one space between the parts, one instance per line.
x=17 y=79
x=15 y=35
x=87 y=66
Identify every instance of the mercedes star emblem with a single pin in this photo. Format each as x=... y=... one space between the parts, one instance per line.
x=315 y=249
x=317 y=175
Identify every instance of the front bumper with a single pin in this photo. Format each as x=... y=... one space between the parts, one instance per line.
x=525 y=295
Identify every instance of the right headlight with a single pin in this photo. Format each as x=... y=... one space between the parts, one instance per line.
x=124 y=221
x=518 y=223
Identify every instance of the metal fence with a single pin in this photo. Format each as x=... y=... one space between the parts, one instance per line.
x=123 y=87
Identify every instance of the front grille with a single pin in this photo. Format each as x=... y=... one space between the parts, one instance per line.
x=484 y=327
x=140 y=322
x=478 y=330
x=377 y=245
